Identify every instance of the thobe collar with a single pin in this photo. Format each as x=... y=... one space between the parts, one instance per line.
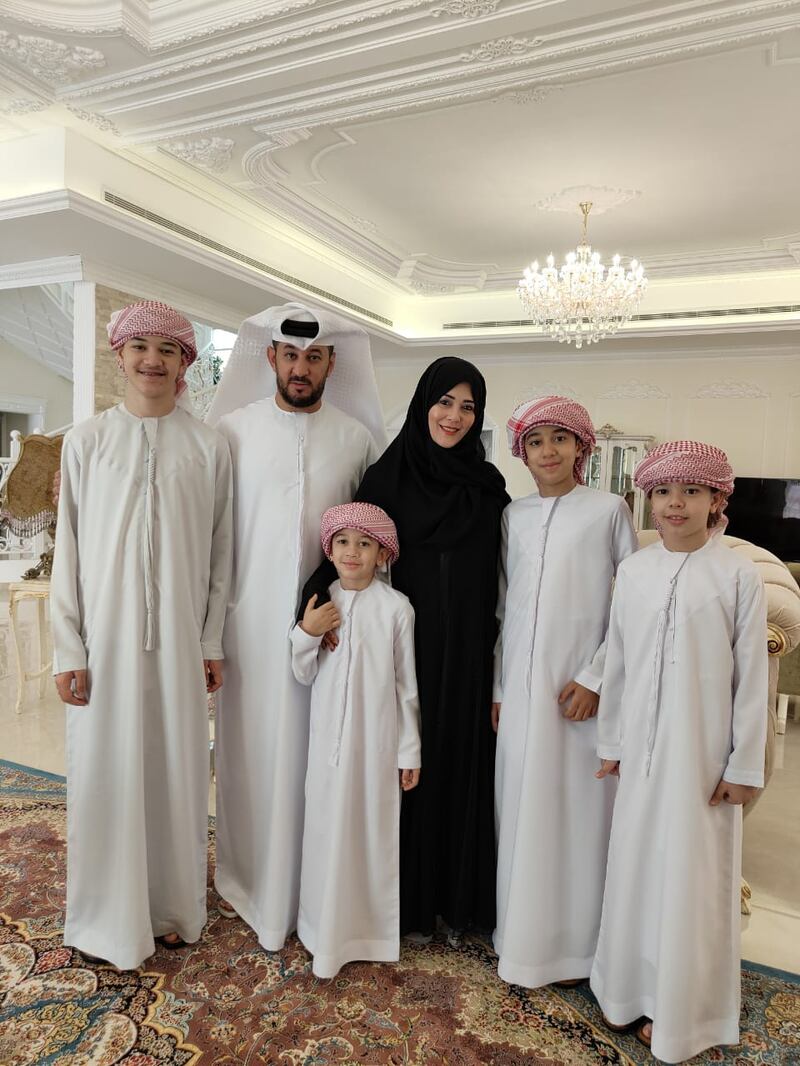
x=710 y=543
x=564 y=495
x=141 y=418
x=298 y=411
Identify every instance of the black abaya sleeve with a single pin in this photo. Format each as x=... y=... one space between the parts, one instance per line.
x=319 y=582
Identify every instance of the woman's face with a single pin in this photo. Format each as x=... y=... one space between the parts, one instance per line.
x=452 y=416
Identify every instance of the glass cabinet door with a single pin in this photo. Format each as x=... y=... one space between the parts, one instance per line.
x=623 y=460
x=594 y=471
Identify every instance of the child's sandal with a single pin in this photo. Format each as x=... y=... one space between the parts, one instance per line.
x=172 y=945
x=642 y=1035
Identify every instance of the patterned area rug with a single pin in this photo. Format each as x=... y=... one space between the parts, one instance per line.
x=224 y=1001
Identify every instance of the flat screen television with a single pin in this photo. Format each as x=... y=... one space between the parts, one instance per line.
x=766 y=511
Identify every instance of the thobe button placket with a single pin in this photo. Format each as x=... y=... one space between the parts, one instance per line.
x=658 y=666
x=543 y=533
x=301 y=491
x=346 y=647
x=150 y=429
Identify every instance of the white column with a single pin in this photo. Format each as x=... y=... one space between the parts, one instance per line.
x=83 y=350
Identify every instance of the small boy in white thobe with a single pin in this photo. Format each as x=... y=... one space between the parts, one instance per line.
x=683 y=718
x=138 y=599
x=364 y=730
x=560 y=549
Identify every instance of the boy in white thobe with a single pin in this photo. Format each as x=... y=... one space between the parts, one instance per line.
x=138 y=598
x=683 y=719
x=559 y=551
x=294 y=455
x=364 y=728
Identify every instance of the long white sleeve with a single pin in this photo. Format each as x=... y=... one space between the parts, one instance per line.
x=69 y=652
x=750 y=683
x=624 y=542
x=609 y=714
x=305 y=655
x=409 y=748
x=221 y=571
x=500 y=611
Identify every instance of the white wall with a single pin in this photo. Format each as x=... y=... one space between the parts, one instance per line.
x=22 y=376
x=748 y=406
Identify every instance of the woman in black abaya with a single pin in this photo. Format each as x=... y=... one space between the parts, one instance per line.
x=446 y=501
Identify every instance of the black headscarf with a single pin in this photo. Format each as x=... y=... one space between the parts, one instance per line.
x=434 y=494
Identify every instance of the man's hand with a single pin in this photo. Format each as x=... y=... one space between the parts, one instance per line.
x=409 y=779
x=738 y=794
x=608 y=766
x=73 y=687
x=330 y=641
x=213 y=671
x=318 y=620
x=495 y=716
x=582 y=702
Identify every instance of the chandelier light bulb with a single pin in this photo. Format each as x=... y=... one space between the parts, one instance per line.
x=582 y=302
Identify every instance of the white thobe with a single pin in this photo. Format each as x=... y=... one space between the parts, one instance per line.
x=364 y=727
x=289 y=467
x=558 y=559
x=138 y=597
x=684 y=704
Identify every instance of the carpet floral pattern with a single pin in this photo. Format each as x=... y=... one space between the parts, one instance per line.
x=225 y=1002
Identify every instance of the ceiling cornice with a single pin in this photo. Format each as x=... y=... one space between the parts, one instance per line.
x=437 y=80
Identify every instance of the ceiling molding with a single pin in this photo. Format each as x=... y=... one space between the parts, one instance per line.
x=161 y=25
x=433 y=81
x=601 y=197
x=371 y=250
x=312 y=30
x=31 y=405
x=41 y=271
x=90 y=17
x=208 y=311
x=730 y=390
x=54 y=62
x=246 y=118
x=544 y=352
x=208 y=153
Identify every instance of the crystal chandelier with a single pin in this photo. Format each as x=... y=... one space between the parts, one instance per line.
x=582 y=302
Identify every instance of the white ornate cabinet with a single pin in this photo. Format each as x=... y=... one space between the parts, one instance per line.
x=611 y=469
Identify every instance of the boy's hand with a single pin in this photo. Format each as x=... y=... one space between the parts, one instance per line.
x=738 y=794
x=73 y=687
x=330 y=641
x=583 y=702
x=318 y=620
x=495 y=716
x=213 y=671
x=608 y=766
x=409 y=779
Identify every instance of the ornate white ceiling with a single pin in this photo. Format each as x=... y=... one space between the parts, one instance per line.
x=439 y=143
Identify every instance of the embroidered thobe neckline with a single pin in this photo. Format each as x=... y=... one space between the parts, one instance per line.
x=345 y=647
x=149 y=424
x=301 y=430
x=668 y=609
x=150 y=427
x=549 y=505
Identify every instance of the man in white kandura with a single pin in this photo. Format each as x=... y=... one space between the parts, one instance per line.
x=294 y=456
x=138 y=598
